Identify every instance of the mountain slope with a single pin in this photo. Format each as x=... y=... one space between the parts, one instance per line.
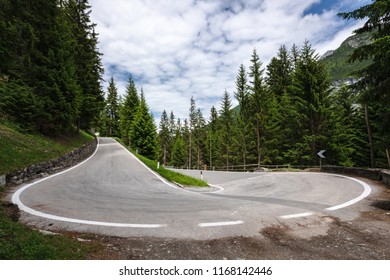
x=337 y=61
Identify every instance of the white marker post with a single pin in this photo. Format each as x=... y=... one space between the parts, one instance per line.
x=321 y=155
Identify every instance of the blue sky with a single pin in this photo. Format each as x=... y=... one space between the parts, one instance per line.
x=176 y=49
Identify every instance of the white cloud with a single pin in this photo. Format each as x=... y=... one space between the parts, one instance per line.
x=181 y=48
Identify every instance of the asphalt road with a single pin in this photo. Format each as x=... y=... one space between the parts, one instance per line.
x=112 y=193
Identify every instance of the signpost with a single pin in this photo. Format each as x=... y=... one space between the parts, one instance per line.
x=321 y=155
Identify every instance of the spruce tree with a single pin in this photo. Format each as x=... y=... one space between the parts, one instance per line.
x=310 y=97
x=89 y=68
x=243 y=128
x=164 y=137
x=374 y=80
x=226 y=129
x=143 y=132
x=212 y=143
x=112 y=108
x=128 y=109
x=258 y=103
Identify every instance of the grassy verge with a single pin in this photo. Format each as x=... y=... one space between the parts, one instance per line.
x=19 y=149
x=169 y=174
x=18 y=242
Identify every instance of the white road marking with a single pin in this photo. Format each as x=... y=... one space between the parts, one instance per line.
x=108 y=144
x=220 y=224
x=218 y=187
x=366 y=192
x=300 y=215
x=150 y=170
x=16 y=200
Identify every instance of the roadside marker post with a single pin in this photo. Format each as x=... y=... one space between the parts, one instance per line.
x=321 y=155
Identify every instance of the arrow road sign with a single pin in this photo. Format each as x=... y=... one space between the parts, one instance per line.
x=320 y=154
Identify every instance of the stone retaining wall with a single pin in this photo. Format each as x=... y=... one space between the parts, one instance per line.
x=373 y=174
x=44 y=169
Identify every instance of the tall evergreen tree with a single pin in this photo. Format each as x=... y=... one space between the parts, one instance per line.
x=226 y=129
x=192 y=123
x=279 y=73
x=143 y=133
x=259 y=103
x=179 y=151
x=199 y=135
x=164 y=137
x=374 y=81
x=212 y=143
x=89 y=68
x=112 y=108
x=310 y=97
x=243 y=127
x=128 y=109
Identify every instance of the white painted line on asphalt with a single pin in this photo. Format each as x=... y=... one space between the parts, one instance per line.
x=16 y=200
x=366 y=192
x=221 y=224
x=218 y=187
x=150 y=170
x=109 y=144
x=300 y=215
x=78 y=221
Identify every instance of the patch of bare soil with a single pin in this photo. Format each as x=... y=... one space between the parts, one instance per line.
x=366 y=238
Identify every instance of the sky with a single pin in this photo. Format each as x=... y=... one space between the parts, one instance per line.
x=176 y=49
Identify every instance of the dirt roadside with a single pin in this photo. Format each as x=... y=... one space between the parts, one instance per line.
x=325 y=237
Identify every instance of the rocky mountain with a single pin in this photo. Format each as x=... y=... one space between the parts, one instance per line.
x=337 y=60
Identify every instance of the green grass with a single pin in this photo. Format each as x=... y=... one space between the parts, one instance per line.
x=18 y=242
x=19 y=149
x=171 y=175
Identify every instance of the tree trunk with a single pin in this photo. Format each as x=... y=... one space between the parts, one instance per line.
x=370 y=139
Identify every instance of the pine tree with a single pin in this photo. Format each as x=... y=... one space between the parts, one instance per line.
x=279 y=82
x=243 y=127
x=374 y=81
x=128 y=109
x=199 y=135
x=192 y=123
x=112 y=109
x=226 y=129
x=164 y=137
x=212 y=143
x=310 y=97
x=88 y=63
x=143 y=132
x=279 y=73
x=258 y=103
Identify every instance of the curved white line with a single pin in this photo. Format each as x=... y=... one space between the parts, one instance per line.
x=366 y=192
x=150 y=170
x=16 y=200
x=299 y=215
x=220 y=224
x=218 y=187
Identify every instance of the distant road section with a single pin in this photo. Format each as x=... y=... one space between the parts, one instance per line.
x=113 y=193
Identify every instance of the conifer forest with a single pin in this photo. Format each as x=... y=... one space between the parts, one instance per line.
x=51 y=82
